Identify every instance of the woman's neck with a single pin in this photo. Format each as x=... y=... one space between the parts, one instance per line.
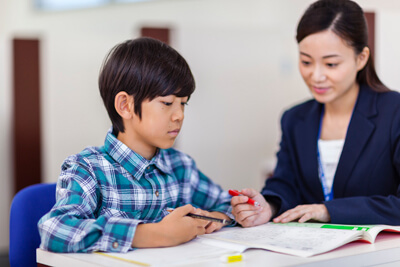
x=344 y=105
x=337 y=116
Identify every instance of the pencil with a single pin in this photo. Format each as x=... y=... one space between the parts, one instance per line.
x=207 y=218
x=122 y=259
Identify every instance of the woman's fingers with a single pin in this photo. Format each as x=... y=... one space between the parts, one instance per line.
x=304 y=213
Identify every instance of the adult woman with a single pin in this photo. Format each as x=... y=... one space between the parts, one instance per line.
x=339 y=157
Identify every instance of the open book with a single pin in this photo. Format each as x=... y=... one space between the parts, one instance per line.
x=300 y=239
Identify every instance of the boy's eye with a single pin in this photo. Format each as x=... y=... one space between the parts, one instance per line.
x=167 y=103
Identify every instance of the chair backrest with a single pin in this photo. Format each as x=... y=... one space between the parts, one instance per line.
x=27 y=207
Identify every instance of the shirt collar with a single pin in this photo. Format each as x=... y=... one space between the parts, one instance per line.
x=134 y=163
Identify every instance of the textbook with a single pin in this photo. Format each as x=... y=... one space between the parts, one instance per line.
x=299 y=239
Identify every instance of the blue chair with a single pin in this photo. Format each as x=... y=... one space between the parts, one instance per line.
x=27 y=207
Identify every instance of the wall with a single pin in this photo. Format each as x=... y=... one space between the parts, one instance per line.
x=5 y=132
x=243 y=56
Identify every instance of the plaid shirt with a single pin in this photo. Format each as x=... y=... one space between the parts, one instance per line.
x=103 y=193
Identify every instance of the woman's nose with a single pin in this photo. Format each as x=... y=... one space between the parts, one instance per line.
x=318 y=75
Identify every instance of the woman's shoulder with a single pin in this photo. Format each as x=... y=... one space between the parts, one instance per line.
x=390 y=97
x=369 y=93
x=383 y=101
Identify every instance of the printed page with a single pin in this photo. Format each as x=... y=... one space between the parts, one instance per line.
x=299 y=241
x=191 y=252
x=369 y=232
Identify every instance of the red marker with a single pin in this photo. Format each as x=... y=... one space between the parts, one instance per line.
x=237 y=193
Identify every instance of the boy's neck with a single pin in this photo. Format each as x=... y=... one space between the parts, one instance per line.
x=145 y=151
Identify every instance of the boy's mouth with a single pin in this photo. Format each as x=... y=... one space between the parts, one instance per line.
x=174 y=132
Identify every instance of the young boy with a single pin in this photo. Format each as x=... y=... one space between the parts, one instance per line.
x=115 y=197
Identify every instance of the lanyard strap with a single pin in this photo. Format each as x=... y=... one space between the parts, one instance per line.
x=328 y=195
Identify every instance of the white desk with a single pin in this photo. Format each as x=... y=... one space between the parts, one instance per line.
x=385 y=252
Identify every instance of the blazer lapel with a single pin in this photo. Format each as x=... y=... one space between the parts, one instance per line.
x=359 y=131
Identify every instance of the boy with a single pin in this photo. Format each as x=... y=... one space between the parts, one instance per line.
x=115 y=197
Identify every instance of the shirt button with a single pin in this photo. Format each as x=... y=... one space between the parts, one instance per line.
x=157 y=193
x=115 y=245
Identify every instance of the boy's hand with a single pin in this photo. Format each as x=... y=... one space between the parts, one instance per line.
x=180 y=228
x=212 y=226
x=174 y=229
x=249 y=215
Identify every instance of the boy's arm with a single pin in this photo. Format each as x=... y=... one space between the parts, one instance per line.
x=209 y=196
x=72 y=226
x=174 y=229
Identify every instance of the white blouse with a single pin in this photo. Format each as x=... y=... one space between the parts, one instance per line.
x=330 y=151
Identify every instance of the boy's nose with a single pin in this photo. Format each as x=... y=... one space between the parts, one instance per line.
x=178 y=115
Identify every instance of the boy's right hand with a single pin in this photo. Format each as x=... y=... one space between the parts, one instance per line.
x=179 y=228
x=174 y=229
x=249 y=215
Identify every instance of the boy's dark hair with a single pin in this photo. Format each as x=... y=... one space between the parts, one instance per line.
x=144 y=68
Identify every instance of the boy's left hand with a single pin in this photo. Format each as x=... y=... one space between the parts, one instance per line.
x=212 y=226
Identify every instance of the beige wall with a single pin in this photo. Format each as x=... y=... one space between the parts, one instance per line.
x=243 y=56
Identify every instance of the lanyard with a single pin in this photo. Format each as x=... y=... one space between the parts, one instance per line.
x=328 y=195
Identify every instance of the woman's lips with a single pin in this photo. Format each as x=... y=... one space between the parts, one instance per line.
x=320 y=90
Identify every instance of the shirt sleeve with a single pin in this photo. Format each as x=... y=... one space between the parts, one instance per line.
x=281 y=190
x=208 y=195
x=72 y=225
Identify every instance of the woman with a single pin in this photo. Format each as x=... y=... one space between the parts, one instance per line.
x=339 y=158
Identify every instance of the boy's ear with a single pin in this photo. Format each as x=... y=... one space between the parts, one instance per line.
x=124 y=105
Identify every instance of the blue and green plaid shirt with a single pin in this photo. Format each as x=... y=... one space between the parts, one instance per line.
x=103 y=193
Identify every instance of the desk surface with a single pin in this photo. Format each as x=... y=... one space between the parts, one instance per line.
x=385 y=252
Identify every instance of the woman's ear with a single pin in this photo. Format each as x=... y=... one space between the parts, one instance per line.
x=362 y=58
x=124 y=105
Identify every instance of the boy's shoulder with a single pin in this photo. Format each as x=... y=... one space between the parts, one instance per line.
x=91 y=155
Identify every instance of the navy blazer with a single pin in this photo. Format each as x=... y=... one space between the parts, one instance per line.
x=366 y=185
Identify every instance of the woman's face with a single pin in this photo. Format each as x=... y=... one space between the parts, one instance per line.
x=329 y=67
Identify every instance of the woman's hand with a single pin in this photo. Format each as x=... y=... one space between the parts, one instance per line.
x=249 y=215
x=303 y=213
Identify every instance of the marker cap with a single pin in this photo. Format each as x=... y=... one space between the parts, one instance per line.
x=231 y=258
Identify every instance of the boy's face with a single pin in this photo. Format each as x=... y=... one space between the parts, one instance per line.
x=161 y=122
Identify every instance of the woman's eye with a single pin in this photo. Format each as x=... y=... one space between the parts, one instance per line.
x=167 y=103
x=184 y=103
x=332 y=65
x=305 y=63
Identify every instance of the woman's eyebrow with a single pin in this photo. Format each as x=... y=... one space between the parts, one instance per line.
x=327 y=56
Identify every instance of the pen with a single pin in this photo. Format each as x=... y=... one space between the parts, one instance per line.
x=202 y=217
x=237 y=193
